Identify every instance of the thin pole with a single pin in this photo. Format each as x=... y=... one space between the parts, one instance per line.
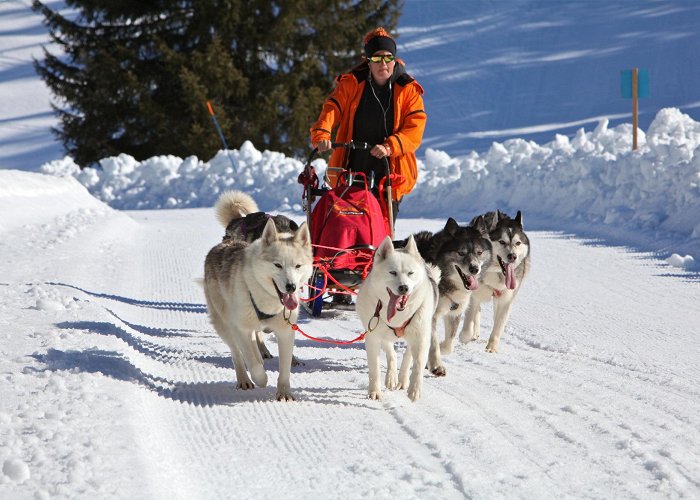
x=635 y=106
x=221 y=136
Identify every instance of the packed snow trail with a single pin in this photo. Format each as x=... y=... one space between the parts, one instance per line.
x=594 y=393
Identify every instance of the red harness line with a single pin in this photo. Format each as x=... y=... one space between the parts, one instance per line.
x=398 y=331
x=323 y=265
x=296 y=328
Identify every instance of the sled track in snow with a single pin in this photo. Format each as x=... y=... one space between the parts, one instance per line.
x=497 y=424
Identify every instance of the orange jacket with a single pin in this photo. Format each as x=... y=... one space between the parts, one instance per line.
x=338 y=114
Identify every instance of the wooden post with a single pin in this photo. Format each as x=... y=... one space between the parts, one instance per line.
x=635 y=106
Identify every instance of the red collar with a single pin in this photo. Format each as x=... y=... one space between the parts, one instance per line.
x=399 y=331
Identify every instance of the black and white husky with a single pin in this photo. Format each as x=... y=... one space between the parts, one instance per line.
x=502 y=280
x=461 y=253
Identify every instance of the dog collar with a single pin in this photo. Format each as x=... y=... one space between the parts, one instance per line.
x=261 y=315
x=496 y=292
x=399 y=331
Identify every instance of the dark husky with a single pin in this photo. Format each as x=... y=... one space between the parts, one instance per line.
x=461 y=253
x=502 y=279
x=245 y=222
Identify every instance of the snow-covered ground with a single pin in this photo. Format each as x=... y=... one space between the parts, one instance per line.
x=114 y=385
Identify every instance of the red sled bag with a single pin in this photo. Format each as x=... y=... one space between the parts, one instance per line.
x=346 y=216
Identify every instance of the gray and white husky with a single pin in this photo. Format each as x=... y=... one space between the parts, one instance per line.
x=502 y=280
x=252 y=287
x=396 y=301
x=461 y=253
x=239 y=214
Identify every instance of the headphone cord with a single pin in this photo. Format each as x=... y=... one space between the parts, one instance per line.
x=388 y=104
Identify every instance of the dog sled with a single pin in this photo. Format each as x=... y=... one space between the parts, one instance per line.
x=347 y=223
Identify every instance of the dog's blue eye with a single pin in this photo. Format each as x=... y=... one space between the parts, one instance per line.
x=278 y=265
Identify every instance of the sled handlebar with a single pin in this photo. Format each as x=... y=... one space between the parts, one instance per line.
x=352 y=145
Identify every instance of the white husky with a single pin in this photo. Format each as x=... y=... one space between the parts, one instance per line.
x=397 y=301
x=255 y=286
x=510 y=264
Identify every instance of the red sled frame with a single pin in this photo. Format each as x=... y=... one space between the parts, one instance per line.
x=356 y=260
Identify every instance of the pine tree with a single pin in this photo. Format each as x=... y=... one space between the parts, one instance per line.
x=134 y=76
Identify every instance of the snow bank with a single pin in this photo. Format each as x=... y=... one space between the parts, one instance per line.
x=171 y=182
x=34 y=198
x=593 y=178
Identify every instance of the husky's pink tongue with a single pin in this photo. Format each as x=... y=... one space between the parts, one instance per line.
x=472 y=283
x=290 y=301
x=511 y=281
x=396 y=303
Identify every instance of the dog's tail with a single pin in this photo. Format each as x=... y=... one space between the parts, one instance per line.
x=233 y=205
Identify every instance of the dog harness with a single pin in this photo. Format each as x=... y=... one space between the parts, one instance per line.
x=399 y=331
x=496 y=292
x=261 y=315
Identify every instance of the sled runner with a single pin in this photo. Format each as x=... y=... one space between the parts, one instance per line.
x=347 y=224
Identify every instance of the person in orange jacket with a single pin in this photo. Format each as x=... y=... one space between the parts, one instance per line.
x=379 y=103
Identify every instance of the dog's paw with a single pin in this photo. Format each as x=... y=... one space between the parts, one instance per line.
x=392 y=381
x=259 y=376
x=465 y=339
x=446 y=348
x=245 y=384
x=492 y=347
x=375 y=395
x=414 y=393
x=285 y=396
x=439 y=371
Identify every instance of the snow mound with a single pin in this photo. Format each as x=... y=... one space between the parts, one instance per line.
x=593 y=178
x=46 y=197
x=17 y=470
x=171 y=182
x=685 y=262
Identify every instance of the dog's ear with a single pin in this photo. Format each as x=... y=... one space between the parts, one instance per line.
x=269 y=235
x=500 y=215
x=451 y=226
x=412 y=248
x=302 y=236
x=480 y=225
x=519 y=219
x=385 y=249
